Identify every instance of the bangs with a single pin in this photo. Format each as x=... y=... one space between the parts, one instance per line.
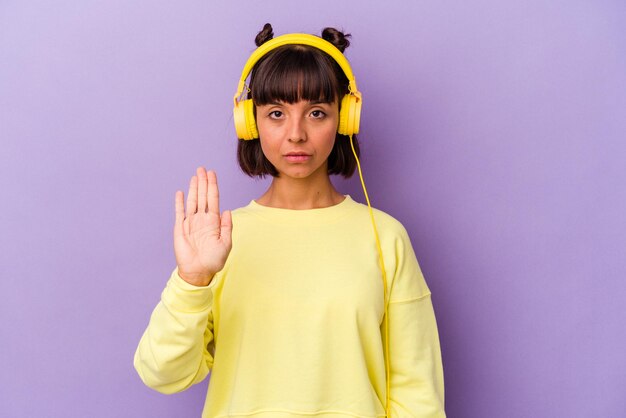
x=293 y=73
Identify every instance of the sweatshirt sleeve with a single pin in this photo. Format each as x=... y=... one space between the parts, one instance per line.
x=416 y=370
x=173 y=352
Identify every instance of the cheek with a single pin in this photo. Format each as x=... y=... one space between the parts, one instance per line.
x=331 y=135
x=271 y=149
x=265 y=147
x=264 y=126
x=266 y=135
x=261 y=128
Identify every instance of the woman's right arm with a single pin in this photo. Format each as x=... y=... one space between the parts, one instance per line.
x=173 y=351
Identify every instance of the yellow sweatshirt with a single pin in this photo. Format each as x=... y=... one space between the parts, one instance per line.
x=291 y=326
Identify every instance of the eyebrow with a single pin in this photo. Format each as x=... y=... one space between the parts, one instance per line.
x=313 y=102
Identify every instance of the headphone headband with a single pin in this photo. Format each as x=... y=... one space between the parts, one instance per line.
x=301 y=39
x=350 y=106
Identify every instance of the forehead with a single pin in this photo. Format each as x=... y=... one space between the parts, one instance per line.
x=292 y=75
x=299 y=103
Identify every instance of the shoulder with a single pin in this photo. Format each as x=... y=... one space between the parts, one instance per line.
x=386 y=223
x=241 y=211
x=251 y=210
x=406 y=279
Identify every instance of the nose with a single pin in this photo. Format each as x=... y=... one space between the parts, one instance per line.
x=296 y=130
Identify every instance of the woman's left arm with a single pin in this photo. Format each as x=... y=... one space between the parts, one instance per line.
x=416 y=371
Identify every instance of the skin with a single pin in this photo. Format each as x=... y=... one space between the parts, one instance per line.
x=203 y=238
x=299 y=127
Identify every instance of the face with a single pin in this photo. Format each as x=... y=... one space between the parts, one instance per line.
x=298 y=138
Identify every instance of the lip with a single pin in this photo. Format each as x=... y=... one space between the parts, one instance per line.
x=297 y=157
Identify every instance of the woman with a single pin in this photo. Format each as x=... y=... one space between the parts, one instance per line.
x=282 y=300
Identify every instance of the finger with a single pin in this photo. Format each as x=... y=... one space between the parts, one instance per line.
x=192 y=196
x=226 y=228
x=213 y=193
x=180 y=214
x=202 y=190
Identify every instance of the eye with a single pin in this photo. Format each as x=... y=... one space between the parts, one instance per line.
x=275 y=114
x=318 y=114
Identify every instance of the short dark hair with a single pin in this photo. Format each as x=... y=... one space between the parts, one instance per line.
x=291 y=73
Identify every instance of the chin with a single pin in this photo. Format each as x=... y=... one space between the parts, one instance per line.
x=297 y=175
x=300 y=172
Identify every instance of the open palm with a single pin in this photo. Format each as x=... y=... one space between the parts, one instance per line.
x=202 y=238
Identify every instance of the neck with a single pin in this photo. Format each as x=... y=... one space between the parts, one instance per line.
x=306 y=193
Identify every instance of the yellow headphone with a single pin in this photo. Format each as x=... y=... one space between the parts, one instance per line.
x=349 y=119
x=350 y=113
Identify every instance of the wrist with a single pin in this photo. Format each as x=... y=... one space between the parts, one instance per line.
x=199 y=280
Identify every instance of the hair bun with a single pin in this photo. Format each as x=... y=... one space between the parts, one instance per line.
x=336 y=38
x=265 y=35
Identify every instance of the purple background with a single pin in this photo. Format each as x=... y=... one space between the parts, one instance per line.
x=493 y=130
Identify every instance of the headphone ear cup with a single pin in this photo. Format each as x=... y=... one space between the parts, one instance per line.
x=343 y=116
x=239 y=117
x=253 y=132
x=356 y=115
x=350 y=115
x=245 y=123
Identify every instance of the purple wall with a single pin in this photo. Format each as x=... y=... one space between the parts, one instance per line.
x=493 y=130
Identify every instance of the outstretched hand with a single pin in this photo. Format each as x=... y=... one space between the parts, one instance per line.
x=202 y=239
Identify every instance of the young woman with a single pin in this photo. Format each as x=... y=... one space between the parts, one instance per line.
x=297 y=304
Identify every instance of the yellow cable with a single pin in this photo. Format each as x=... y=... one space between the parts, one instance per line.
x=382 y=266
